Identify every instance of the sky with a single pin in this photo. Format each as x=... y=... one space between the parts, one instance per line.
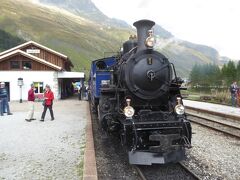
x=214 y=23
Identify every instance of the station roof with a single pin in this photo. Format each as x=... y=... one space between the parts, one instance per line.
x=65 y=74
x=42 y=61
x=26 y=44
x=36 y=44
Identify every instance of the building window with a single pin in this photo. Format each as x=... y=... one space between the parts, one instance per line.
x=14 y=64
x=27 y=65
x=38 y=87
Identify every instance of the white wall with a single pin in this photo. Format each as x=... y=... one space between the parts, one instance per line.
x=47 y=77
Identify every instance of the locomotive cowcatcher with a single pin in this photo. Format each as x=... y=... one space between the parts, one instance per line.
x=137 y=97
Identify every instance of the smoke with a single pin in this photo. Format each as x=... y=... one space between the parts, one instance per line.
x=144 y=4
x=35 y=1
x=171 y=43
x=23 y=35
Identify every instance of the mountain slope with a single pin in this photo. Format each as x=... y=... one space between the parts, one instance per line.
x=87 y=9
x=184 y=54
x=82 y=32
x=77 y=37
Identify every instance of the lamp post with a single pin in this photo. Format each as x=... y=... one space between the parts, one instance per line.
x=20 y=84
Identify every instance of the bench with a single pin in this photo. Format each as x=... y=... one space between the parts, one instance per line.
x=206 y=98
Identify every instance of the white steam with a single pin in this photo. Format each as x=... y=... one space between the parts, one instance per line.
x=163 y=43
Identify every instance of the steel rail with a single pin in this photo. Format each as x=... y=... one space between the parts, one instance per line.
x=143 y=177
x=140 y=173
x=217 y=122
x=209 y=124
x=189 y=171
x=220 y=114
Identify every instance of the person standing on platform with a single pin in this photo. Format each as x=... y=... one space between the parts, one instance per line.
x=48 y=102
x=4 y=99
x=238 y=96
x=84 y=89
x=233 y=90
x=31 y=98
x=79 y=89
x=1 y=108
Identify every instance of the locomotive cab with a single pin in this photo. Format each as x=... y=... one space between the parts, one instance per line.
x=99 y=75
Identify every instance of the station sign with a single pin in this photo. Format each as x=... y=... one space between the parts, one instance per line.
x=33 y=51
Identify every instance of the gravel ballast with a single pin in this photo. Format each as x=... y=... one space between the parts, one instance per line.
x=43 y=150
x=111 y=158
x=112 y=162
x=214 y=155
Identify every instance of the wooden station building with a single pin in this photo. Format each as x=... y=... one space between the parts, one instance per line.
x=38 y=64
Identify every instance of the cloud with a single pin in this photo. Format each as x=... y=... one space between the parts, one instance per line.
x=145 y=4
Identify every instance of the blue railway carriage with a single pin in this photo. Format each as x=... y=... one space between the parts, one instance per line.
x=100 y=76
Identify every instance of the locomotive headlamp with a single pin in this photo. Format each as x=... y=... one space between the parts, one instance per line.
x=129 y=110
x=179 y=109
x=150 y=41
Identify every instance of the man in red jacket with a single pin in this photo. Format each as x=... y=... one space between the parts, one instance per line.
x=31 y=98
x=48 y=102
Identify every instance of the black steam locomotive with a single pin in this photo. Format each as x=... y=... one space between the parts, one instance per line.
x=137 y=97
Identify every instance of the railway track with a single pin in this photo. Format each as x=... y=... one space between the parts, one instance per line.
x=154 y=172
x=172 y=171
x=227 y=124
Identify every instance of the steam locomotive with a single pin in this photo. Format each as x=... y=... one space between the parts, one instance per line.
x=136 y=94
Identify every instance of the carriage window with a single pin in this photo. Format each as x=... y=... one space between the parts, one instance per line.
x=14 y=64
x=101 y=65
x=27 y=64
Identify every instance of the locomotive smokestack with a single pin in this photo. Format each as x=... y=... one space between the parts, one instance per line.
x=142 y=32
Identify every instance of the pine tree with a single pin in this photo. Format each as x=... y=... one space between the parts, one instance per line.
x=194 y=75
x=206 y=75
x=230 y=73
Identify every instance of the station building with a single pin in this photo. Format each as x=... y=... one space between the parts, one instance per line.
x=32 y=62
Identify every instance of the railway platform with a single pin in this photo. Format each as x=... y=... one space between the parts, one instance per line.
x=59 y=149
x=223 y=109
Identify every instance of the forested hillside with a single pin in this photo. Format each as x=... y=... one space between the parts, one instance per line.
x=8 y=41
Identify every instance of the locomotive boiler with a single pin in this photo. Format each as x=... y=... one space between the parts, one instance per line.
x=137 y=97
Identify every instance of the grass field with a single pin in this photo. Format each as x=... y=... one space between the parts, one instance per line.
x=216 y=96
